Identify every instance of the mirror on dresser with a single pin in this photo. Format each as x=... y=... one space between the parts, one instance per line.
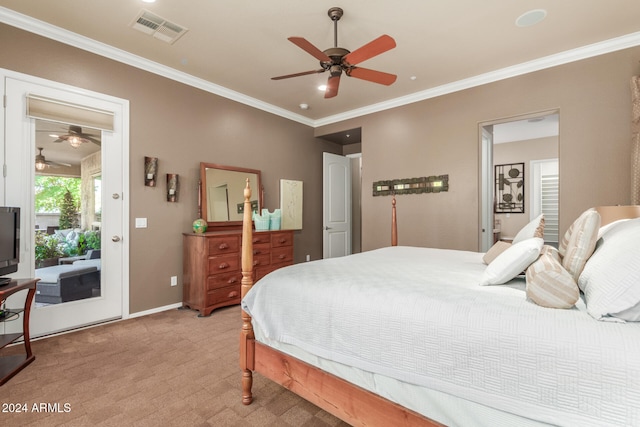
x=222 y=194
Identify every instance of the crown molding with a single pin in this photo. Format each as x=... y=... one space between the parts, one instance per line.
x=589 y=51
x=44 y=29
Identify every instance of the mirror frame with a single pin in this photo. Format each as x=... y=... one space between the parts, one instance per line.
x=202 y=200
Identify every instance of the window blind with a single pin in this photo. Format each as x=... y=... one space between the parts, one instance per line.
x=549 y=204
x=39 y=107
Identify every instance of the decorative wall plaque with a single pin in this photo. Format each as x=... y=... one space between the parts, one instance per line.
x=425 y=184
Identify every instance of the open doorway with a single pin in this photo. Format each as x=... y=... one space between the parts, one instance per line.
x=528 y=140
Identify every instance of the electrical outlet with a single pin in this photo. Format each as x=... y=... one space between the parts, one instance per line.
x=308 y=257
x=174 y=280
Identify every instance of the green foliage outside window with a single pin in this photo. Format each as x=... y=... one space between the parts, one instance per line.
x=50 y=191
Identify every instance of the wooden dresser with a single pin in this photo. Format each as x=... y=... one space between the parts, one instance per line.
x=212 y=270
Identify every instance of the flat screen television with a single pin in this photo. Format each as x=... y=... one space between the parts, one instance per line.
x=9 y=242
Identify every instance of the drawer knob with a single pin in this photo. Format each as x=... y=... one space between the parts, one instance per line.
x=232 y=280
x=223 y=246
x=282 y=256
x=256 y=252
x=282 y=241
x=233 y=294
x=223 y=266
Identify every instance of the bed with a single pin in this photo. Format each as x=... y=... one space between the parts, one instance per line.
x=409 y=336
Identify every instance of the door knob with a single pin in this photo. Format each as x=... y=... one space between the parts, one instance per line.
x=115 y=196
x=116 y=238
x=327 y=228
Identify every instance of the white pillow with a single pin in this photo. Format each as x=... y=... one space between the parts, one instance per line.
x=611 y=278
x=535 y=228
x=512 y=262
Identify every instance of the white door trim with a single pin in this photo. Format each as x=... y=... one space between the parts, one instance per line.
x=20 y=191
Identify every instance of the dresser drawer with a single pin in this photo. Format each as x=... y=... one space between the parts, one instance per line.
x=259 y=238
x=221 y=280
x=224 y=263
x=281 y=239
x=221 y=295
x=261 y=260
x=282 y=255
x=261 y=249
x=223 y=244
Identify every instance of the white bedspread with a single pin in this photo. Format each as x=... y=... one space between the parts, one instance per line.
x=418 y=315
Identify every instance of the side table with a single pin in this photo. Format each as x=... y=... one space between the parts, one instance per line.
x=12 y=364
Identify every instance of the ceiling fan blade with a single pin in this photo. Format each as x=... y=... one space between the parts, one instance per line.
x=369 y=50
x=304 y=73
x=91 y=139
x=332 y=87
x=372 y=75
x=57 y=164
x=309 y=48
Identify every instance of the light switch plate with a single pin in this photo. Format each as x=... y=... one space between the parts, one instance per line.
x=141 y=222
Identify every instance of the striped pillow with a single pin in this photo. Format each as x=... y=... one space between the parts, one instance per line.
x=495 y=250
x=564 y=242
x=549 y=284
x=581 y=242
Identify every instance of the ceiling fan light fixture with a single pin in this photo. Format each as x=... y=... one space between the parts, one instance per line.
x=337 y=59
x=75 y=142
x=40 y=165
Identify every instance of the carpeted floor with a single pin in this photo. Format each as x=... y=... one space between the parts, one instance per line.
x=166 y=369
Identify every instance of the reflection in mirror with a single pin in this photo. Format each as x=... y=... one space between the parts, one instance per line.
x=222 y=193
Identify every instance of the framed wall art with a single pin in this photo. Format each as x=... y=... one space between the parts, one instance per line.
x=291 y=204
x=509 y=191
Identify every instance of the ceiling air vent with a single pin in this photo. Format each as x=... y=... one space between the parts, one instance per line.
x=157 y=27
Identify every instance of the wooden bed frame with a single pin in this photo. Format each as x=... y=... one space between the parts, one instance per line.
x=341 y=398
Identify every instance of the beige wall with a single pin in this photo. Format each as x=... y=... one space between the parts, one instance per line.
x=182 y=126
x=440 y=136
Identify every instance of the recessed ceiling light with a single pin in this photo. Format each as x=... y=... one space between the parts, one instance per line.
x=531 y=17
x=304 y=106
x=149 y=1
x=322 y=87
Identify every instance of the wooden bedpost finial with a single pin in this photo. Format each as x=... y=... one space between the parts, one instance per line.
x=394 y=223
x=247 y=191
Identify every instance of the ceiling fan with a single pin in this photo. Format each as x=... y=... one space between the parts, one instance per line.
x=42 y=162
x=337 y=59
x=75 y=137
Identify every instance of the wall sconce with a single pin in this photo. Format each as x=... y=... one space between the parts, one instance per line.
x=172 y=187
x=150 y=171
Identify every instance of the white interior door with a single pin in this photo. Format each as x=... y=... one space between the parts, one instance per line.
x=19 y=191
x=336 y=190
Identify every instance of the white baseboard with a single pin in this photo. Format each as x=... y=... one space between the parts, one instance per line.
x=155 y=310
